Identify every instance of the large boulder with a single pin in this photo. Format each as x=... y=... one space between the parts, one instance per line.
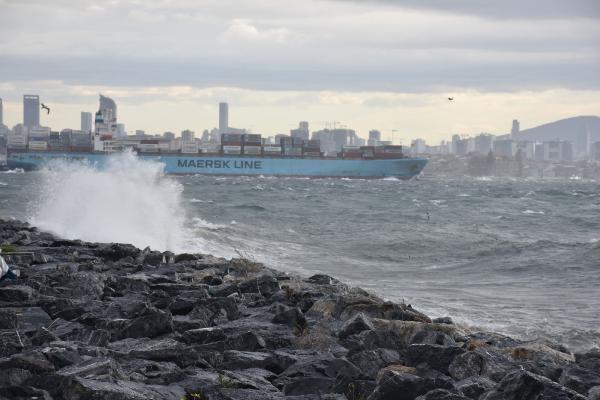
x=481 y=362
x=524 y=385
x=433 y=356
x=354 y=325
x=153 y=323
x=579 y=379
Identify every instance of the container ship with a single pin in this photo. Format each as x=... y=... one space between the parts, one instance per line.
x=238 y=154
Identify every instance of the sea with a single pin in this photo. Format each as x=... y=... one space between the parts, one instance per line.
x=517 y=256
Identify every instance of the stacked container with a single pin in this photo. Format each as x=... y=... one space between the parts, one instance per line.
x=351 y=153
x=291 y=146
x=149 y=146
x=368 y=152
x=252 y=144
x=189 y=148
x=231 y=143
x=311 y=148
x=388 y=151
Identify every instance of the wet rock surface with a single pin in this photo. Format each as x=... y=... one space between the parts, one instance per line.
x=110 y=321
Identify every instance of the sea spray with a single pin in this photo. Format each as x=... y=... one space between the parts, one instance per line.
x=129 y=200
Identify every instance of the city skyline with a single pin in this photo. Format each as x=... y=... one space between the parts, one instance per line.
x=368 y=65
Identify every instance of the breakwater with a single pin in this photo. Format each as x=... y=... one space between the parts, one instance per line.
x=111 y=321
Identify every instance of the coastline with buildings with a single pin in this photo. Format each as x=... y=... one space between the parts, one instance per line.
x=517 y=154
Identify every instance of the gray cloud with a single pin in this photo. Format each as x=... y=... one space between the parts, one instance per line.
x=312 y=45
x=505 y=9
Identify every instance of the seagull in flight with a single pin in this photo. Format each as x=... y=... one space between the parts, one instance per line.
x=450 y=98
x=45 y=107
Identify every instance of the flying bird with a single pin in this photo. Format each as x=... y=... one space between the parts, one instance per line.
x=450 y=98
x=45 y=107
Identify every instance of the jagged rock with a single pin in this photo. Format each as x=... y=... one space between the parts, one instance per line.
x=594 y=393
x=117 y=251
x=82 y=388
x=293 y=317
x=371 y=361
x=265 y=285
x=355 y=325
x=397 y=386
x=475 y=386
x=523 y=385
x=442 y=394
x=23 y=393
x=443 y=320
x=203 y=335
x=156 y=350
x=435 y=356
x=93 y=368
x=16 y=293
x=486 y=363
x=432 y=337
x=152 y=372
x=589 y=360
x=12 y=342
x=33 y=361
x=321 y=279
x=186 y=257
x=13 y=376
x=8 y=319
x=579 y=379
x=153 y=323
x=234 y=359
x=247 y=341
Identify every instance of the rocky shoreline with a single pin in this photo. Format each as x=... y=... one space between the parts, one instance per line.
x=110 y=321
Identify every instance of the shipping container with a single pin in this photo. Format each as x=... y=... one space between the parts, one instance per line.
x=252 y=150
x=38 y=145
x=311 y=154
x=231 y=137
x=80 y=149
x=252 y=138
x=273 y=150
x=232 y=143
x=189 y=148
x=148 y=147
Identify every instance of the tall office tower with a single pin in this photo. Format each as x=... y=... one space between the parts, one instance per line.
x=1 y=114
x=86 y=122
x=223 y=117
x=31 y=110
x=106 y=117
x=516 y=127
x=302 y=132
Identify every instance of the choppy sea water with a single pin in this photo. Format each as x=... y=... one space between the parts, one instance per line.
x=520 y=257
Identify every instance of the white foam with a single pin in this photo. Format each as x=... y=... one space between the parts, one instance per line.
x=128 y=201
x=15 y=171
x=532 y=212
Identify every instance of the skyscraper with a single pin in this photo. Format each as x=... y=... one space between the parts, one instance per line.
x=1 y=114
x=86 y=121
x=516 y=127
x=223 y=117
x=31 y=110
x=106 y=117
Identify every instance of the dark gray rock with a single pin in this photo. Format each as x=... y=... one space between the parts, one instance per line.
x=13 y=376
x=483 y=362
x=594 y=393
x=523 y=385
x=153 y=372
x=265 y=285
x=369 y=362
x=117 y=251
x=355 y=325
x=154 y=323
x=475 y=386
x=33 y=361
x=589 y=360
x=246 y=341
x=443 y=320
x=203 y=335
x=435 y=356
x=82 y=388
x=293 y=317
x=442 y=394
x=397 y=386
x=16 y=293
x=23 y=393
x=321 y=279
x=579 y=379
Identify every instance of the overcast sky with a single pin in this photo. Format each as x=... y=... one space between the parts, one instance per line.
x=385 y=64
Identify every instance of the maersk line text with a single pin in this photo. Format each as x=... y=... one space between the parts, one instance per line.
x=219 y=164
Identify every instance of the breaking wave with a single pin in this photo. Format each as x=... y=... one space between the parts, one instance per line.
x=129 y=201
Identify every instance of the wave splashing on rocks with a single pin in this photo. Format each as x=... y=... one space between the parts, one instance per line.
x=129 y=201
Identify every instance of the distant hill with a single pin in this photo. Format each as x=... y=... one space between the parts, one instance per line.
x=571 y=129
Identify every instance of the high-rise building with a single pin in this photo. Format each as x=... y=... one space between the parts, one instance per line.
x=121 y=131
x=302 y=132
x=86 y=121
x=187 y=136
x=31 y=110
x=1 y=113
x=223 y=117
x=106 y=117
x=516 y=127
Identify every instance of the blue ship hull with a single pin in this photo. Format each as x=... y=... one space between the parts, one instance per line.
x=404 y=168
